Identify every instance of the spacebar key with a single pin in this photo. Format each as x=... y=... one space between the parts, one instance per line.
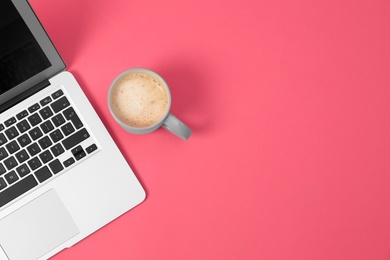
x=18 y=189
x=76 y=138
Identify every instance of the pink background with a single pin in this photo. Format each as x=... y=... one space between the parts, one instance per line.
x=289 y=102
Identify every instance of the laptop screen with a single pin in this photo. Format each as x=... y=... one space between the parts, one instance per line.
x=27 y=55
x=21 y=57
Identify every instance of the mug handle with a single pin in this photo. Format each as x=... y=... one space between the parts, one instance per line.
x=177 y=127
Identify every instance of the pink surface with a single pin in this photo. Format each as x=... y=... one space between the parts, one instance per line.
x=290 y=111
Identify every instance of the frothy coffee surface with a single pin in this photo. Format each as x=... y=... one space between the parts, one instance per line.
x=139 y=99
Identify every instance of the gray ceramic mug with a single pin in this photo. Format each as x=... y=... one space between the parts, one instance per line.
x=139 y=100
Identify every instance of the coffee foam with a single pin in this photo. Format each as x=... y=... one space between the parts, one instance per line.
x=139 y=99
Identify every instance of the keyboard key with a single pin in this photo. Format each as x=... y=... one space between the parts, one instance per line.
x=45 y=142
x=57 y=94
x=22 y=156
x=43 y=174
x=56 y=166
x=47 y=126
x=67 y=129
x=2 y=169
x=18 y=189
x=34 y=107
x=2 y=184
x=10 y=163
x=71 y=115
x=75 y=138
x=34 y=119
x=23 y=170
x=1 y=127
x=45 y=101
x=12 y=147
x=35 y=133
x=3 y=140
x=33 y=149
x=60 y=104
x=57 y=149
x=11 y=177
x=10 y=121
x=34 y=163
x=69 y=162
x=46 y=156
x=11 y=133
x=3 y=153
x=23 y=126
x=45 y=112
x=56 y=135
x=80 y=156
x=22 y=114
x=77 y=149
x=58 y=120
x=91 y=148
x=78 y=152
x=24 y=140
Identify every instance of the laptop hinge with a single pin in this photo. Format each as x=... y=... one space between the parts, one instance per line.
x=26 y=94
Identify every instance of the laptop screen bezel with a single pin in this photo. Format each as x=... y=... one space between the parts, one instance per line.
x=40 y=35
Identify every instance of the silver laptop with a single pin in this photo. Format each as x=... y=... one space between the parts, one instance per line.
x=61 y=175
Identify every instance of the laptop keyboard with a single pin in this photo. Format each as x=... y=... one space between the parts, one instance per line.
x=39 y=143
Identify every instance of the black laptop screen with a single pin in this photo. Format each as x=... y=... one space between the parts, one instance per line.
x=21 y=57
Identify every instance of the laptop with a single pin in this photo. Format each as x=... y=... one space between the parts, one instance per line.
x=61 y=175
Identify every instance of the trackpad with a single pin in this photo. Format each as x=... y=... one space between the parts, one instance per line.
x=36 y=228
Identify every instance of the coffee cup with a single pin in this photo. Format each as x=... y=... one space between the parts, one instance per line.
x=140 y=100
